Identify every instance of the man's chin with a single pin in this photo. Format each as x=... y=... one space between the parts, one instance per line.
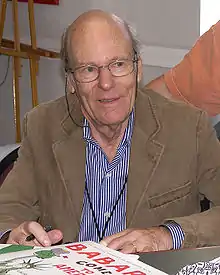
x=113 y=121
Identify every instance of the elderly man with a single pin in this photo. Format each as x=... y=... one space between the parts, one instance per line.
x=110 y=162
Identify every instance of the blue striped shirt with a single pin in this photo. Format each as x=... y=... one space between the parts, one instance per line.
x=104 y=181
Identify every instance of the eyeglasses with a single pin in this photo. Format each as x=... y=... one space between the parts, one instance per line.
x=118 y=68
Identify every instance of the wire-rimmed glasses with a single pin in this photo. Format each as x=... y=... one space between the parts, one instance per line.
x=118 y=68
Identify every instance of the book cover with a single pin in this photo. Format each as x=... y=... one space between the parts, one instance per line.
x=75 y=258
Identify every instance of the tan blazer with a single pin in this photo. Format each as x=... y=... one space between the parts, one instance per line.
x=174 y=162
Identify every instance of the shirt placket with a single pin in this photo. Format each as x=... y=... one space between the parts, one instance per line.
x=107 y=188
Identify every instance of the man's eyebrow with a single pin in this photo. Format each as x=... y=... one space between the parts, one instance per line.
x=82 y=64
x=114 y=58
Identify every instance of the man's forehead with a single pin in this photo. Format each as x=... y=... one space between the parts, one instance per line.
x=99 y=30
x=101 y=54
x=95 y=18
x=101 y=44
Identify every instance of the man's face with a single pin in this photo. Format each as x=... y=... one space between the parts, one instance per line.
x=108 y=100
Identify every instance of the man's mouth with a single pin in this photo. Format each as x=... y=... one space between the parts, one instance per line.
x=109 y=100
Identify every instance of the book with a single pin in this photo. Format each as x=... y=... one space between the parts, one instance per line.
x=82 y=258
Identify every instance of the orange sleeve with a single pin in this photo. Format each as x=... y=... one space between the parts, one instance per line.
x=196 y=79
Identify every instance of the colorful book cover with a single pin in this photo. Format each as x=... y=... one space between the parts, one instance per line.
x=76 y=258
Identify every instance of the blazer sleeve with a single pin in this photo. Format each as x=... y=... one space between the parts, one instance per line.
x=202 y=229
x=18 y=194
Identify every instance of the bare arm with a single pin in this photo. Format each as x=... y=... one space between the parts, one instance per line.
x=158 y=85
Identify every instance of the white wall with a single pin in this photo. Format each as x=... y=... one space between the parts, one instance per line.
x=209 y=14
x=166 y=28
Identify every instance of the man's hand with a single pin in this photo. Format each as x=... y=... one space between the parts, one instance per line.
x=140 y=240
x=42 y=238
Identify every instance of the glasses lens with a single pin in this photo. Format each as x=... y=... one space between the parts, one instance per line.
x=121 y=67
x=86 y=74
x=91 y=72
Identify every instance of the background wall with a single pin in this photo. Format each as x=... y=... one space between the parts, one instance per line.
x=167 y=29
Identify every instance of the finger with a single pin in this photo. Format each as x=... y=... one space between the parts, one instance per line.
x=119 y=242
x=39 y=233
x=11 y=241
x=107 y=240
x=30 y=243
x=129 y=248
x=149 y=249
x=36 y=243
x=55 y=236
x=19 y=238
x=18 y=235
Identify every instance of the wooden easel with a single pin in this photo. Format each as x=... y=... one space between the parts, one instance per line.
x=18 y=50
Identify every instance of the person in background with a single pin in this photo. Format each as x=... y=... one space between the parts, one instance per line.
x=109 y=162
x=196 y=79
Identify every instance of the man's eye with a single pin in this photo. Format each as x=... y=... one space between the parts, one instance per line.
x=89 y=69
x=119 y=64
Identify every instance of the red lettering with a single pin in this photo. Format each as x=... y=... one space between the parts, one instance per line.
x=105 y=260
x=76 y=247
x=71 y=271
x=68 y=269
x=59 y=266
x=119 y=268
x=90 y=255
x=136 y=272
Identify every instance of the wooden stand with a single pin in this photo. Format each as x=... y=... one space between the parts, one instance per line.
x=18 y=50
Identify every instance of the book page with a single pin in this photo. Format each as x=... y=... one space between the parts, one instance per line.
x=76 y=258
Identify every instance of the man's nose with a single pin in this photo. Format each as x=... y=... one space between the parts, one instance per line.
x=105 y=80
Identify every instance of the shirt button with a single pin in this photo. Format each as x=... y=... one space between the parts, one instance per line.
x=108 y=175
x=107 y=215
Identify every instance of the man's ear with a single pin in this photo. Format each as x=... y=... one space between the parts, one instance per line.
x=140 y=69
x=70 y=83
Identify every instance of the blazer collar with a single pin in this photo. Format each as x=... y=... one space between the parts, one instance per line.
x=69 y=153
x=146 y=152
x=146 y=114
x=73 y=120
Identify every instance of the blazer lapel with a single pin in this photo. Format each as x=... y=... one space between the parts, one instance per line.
x=145 y=156
x=70 y=157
